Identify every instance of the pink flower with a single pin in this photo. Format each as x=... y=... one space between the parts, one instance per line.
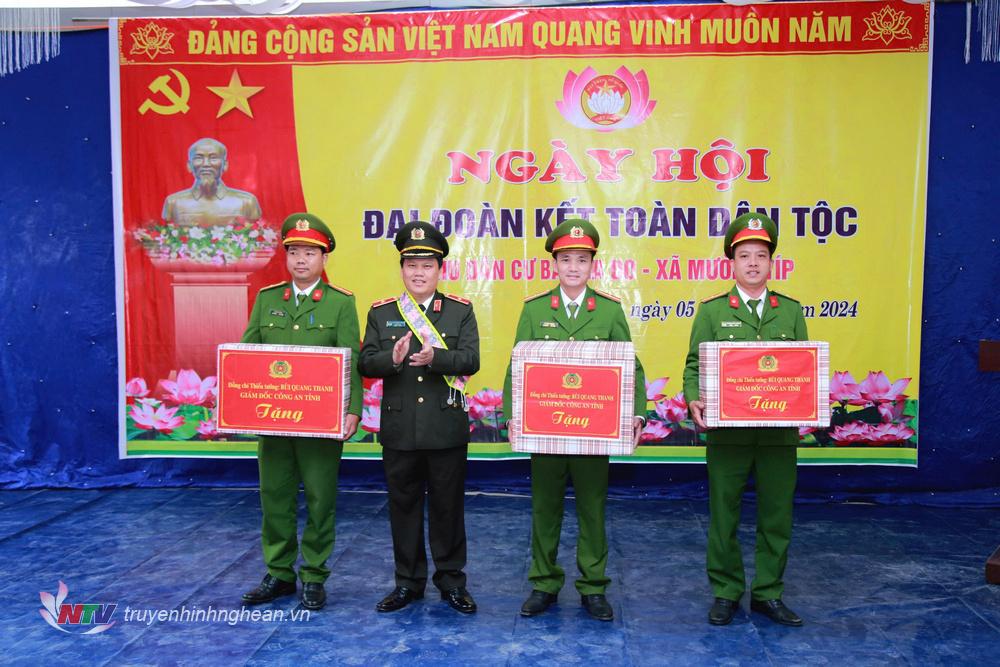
x=893 y=412
x=806 y=430
x=371 y=418
x=188 y=389
x=654 y=388
x=655 y=430
x=207 y=429
x=161 y=418
x=136 y=388
x=673 y=410
x=485 y=402
x=843 y=389
x=373 y=396
x=885 y=433
x=851 y=432
x=877 y=389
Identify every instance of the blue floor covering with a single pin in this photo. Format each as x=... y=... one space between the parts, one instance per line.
x=875 y=584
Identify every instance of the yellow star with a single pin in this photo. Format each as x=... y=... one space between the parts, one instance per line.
x=235 y=95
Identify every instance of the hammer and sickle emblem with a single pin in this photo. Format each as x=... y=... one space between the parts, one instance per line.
x=179 y=99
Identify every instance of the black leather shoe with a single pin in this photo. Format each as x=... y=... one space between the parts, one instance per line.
x=776 y=611
x=538 y=602
x=270 y=588
x=313 y=595
x=398 y=598
x=722 y=611
x=597 y=606
x=460 y=600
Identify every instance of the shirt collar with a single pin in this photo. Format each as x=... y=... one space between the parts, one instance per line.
x=566 y=300
x=306 y=291
x=746 y=297
x=220 y=192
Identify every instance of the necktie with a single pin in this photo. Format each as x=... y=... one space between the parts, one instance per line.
x=573 y=307
x=299 y=298
x=753 y=303
x=423 y=309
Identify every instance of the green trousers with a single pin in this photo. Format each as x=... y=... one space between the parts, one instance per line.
x=284 y=463
x=774 y=471
x=549 y=475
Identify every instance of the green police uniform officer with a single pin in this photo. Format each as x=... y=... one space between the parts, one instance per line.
x=747 y=312
x=424 y=427
x=285 y=314
x=596 y=316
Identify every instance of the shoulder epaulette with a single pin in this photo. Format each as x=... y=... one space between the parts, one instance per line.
x=283 y=282
x=460 y=299
x=608 y=296
x=717 y=296
x=783 y=296
x=342 y=290
x=382 y=302
x=537 y=296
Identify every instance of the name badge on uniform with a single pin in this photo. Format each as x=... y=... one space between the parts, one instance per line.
x=549 y=325
x=396 y=324
x=278 y=313
x=730 y=324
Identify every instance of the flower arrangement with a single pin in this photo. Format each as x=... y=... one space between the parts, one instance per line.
x=217 y=244
x=668 y=421
x=181 y=407
x=872 y=412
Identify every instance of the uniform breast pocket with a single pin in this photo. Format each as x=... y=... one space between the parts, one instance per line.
x=742 y=332
x=778 y=332
x=272 y=329
x=592 y=333
x=387 y=339
x=320 y=331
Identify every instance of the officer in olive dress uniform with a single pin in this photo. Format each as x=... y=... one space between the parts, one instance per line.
x=302 y=311
x=424 y=344
x=572 y=311
x=747 y=312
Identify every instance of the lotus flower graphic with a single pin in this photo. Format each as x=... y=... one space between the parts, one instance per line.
x=606 y=102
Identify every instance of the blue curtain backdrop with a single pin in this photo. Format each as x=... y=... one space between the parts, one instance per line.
x=58 y=394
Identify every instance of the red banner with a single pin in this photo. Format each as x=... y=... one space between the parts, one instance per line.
x=572 y=401
x=271 y=389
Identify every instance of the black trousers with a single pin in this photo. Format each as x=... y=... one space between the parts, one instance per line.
x=440 y=473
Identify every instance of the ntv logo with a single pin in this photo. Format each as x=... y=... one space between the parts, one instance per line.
x=57 y=614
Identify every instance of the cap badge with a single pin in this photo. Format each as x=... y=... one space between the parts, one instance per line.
x=417 y=234
x=302 y=225
x=576 y=232
x=754 y=223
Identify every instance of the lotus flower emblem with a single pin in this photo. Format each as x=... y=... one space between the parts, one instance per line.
x=606 y=102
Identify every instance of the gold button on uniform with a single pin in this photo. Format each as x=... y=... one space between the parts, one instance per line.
x=546 y=336
x=271 y=324
x=295 y=326
x=420 y=378
x=394 y=338
x=420 y=399
x=571 y=338
x=758 y=336
x=321 y=326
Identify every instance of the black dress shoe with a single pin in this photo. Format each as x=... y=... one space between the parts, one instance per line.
x=776 y=611
x=538 y=602
x=722 y=611
x=270 y=588
x=597 y=606
x=398 y=598
x=313 y=595
x=460 y=600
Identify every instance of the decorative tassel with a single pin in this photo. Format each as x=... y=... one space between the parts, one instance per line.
x=989 y=30
x=27 y=37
